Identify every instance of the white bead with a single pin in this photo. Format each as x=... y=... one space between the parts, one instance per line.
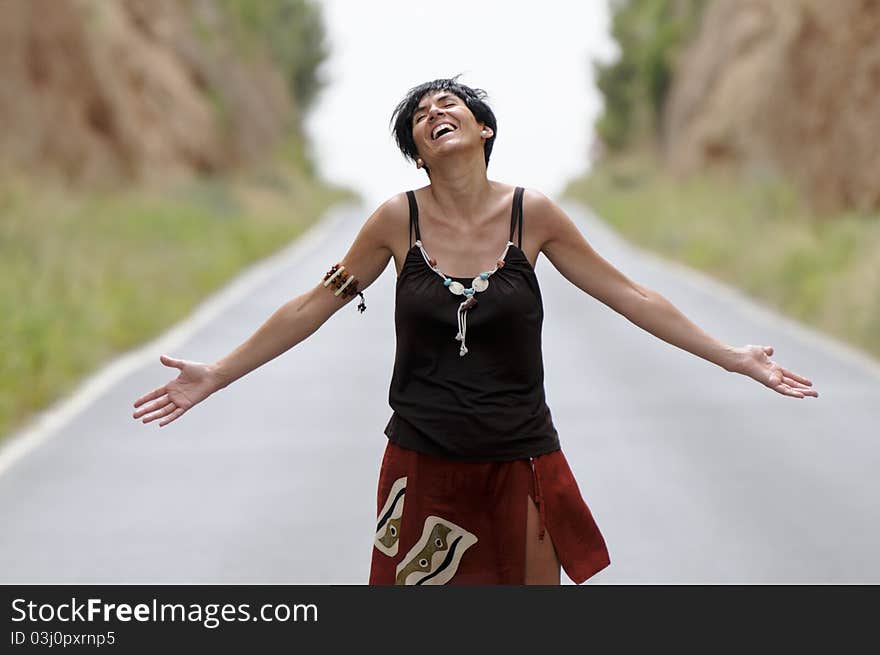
x=479 y=284
x=457 y=288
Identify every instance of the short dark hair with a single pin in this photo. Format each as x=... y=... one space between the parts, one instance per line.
x=474 y=99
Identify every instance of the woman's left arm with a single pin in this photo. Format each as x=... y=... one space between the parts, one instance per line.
x=575 y=259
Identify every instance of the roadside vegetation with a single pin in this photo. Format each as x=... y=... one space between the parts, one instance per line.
x=758 y=235
x=89 y=272
x=89 y=276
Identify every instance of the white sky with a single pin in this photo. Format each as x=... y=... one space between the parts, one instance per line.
x=533 y=59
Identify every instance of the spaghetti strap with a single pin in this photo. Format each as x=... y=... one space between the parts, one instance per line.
x=516 y=213
x=413 y=217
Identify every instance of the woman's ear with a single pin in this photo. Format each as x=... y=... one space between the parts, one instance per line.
x=487 y=132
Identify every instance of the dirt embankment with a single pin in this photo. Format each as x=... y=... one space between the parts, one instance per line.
x=784 y=85
x=99 y=90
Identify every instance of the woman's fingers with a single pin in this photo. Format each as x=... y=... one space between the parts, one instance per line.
x=797 y=377
x=177 y=412
x=788 y=391
x=155 y=393
x=153 y=406
x=795 y=389
x=171 y=361
x=164 y=411
x=797 y=384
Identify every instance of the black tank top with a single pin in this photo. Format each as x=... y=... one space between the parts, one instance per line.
x=489 y=404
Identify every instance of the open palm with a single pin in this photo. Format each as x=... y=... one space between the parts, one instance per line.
x=195 y=382
x=756 y=363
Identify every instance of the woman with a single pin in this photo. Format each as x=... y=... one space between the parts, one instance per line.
x=474 y=488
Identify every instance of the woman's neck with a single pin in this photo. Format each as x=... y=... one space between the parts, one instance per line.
x=460 y=192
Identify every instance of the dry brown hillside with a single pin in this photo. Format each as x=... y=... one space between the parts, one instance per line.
x=788 y=85
x=130 y=88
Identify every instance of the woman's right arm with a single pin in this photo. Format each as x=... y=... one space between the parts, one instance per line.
x=301 y=317
x=290 y=324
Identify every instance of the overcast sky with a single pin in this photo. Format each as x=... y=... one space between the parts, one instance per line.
x=533 y=59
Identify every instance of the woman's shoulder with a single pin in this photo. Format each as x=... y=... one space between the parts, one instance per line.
x=389 y=222
x=531 y=195
x=394 y=204
x=542 y=217
x=534 y=201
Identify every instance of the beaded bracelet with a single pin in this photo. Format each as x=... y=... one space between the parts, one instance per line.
x=345 y=283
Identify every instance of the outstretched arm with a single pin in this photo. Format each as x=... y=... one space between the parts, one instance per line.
x=290 y=324
x=575 y=259
x=301 y=317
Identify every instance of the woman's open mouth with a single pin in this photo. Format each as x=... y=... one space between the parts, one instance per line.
x=442 y=130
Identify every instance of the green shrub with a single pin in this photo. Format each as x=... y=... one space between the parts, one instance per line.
x=650 y=34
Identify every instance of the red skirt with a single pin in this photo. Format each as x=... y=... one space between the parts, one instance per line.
x=446 y=521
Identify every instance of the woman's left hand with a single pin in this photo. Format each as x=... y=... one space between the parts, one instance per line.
x=755 y=362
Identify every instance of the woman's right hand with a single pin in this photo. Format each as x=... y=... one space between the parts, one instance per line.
x=196 y=382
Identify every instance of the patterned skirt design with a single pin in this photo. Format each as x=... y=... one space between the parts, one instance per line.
x=446 y=521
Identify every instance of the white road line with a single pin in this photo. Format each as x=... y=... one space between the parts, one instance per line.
x=50 y=421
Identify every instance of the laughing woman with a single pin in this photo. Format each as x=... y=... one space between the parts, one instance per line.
x=473 y=487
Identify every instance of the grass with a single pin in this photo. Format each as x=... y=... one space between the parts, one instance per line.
x=86 y=276
x=756 y=233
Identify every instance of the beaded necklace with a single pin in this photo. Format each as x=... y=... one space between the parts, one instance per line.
x=479 y=284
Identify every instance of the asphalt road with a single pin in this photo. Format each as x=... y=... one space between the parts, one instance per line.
x=694 y=475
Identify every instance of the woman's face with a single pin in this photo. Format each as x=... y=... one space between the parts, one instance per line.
x=442 y=123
